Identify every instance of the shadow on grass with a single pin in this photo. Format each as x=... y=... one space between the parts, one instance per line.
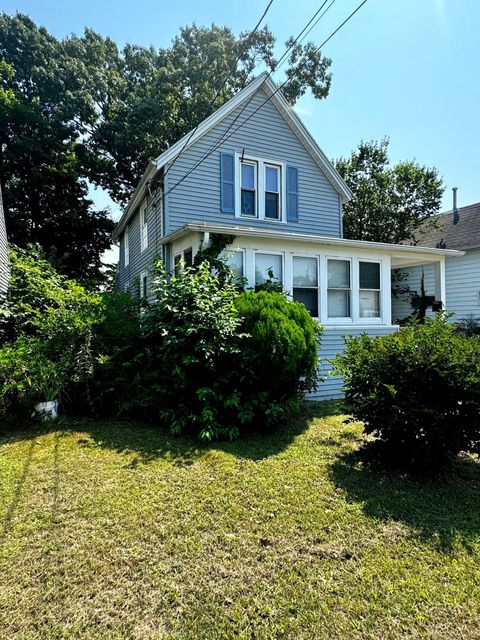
x=444 y=511
x=151 y=442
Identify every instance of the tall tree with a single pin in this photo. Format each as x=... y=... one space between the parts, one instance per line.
x=389 y=203
x=45 y=193
x=139 y=101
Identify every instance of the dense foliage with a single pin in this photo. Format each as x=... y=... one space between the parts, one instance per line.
x=200 y=358
x=389 y=203
x=417 y=391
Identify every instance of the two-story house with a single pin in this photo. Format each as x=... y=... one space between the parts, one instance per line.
x=253 y=170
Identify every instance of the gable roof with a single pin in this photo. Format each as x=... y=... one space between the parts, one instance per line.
x=293 y=120
x=463 y=235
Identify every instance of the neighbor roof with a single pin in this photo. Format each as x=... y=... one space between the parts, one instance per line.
x=463 y=235
x=277 y=98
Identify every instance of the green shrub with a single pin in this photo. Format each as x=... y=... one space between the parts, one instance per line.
x=417 y=391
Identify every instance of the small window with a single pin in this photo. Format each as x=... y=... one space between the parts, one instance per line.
x=249 y=189
x=143 y=285
x=338 y=292
x=176 y=263
x=126 y=247
x=235 y=262
x=267 y=265
x=188 y=257
x=143 y=227
x=272 y=192
x=369 y=294
x=305 y=283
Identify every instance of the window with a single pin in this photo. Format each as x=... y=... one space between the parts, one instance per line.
x=248 y=201
x=369 y=294
x=176 y=263
x=305 y=283
x=267 y=264
x=126 y=247
x=272 y=192
x=143 y=284
x=235 y=262
x=143 y=227
x=188 y=257
x=338 y=292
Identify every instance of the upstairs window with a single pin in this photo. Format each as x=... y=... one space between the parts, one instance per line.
x=248 y=200
x=305 y=283
x=369 y=294
x=143 y=227
x=338 y=291
x=272 y=192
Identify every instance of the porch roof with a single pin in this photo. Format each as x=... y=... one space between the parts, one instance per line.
x=402 y=255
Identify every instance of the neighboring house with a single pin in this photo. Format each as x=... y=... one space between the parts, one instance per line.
x=4 y=263
x=455 y=229
x=252 y=170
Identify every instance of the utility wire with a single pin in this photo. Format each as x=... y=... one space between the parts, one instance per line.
x=217 y=94
x=223 y=138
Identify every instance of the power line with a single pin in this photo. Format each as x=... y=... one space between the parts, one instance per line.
x=223 y=138
x=212 y=103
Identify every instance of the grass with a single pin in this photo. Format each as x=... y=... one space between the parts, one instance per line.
x=117 y=530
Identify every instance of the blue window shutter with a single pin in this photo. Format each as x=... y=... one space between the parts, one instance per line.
x=227 y=181
x=292 y=194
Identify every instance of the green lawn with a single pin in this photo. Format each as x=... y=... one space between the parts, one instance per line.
x=117 y=530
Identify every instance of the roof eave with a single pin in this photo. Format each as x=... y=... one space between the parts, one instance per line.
x=136 y=198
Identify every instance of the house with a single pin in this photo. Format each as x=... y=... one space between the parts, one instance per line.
x=253 y=171
x=455 y=229
x=4 y=263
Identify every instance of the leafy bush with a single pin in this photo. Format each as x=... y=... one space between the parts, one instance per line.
x=469 y=326
x=212 y=362
x=417 y=391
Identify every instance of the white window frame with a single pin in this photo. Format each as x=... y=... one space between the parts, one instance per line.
x=143 y=227
x=126 y=247
x=347 y=319
x=281 y=180
x=378 y=319
x=143 y=292
x=319 y=282
x=261 y=163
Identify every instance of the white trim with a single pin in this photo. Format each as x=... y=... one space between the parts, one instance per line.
x=393 y=250
x=143 y=226
x=126 y=246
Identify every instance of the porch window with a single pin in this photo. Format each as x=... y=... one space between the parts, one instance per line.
x=235 y=262
x=143 y=284
x=176 y=263
x=272 y=192
x=339 y=288
x=369 y=295
x=266 y=264
x=305 y=283
x=249 y=189
x=188 y=257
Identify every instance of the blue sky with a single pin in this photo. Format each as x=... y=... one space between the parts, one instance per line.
x=408 y=69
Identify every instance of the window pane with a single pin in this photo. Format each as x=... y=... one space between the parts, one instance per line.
x=188 y=257
x=176 y=263
x=265 y=262
x=305 y=272
x=309 y=297
x=369 y=275
x=248 y=203
x=369 y=304
x=271 y=205
x=338 y=274
x=338 y=304
x=271 y=179
x=235 y=262
x=248 y=176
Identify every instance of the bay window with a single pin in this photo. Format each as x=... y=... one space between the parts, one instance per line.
x=305 y=283
x=338 y=288
x=369 y=293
